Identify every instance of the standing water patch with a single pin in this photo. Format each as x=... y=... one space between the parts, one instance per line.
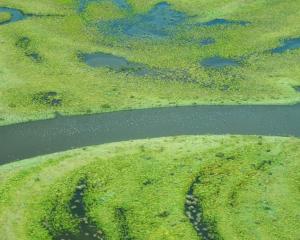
x=223 y=22
x=25 y=44
x=86 y=229
x=115 y=63
x=207 y=41
x=219 y=62
x=288 y=45
x=194 y=212
x=159 y=22
x=121 y=64
x=15 y=15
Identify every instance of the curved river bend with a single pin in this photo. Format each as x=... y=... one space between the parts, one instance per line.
x=36 y=138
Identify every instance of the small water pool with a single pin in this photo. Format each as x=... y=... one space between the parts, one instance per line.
x=207 y=41
x=219 y=62
x=116 y=63
x=224 y=22
x=288 y=45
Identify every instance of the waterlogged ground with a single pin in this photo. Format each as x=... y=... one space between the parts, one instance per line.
x=172 y=188
x=152 y=53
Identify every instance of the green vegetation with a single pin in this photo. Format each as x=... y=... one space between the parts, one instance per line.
x=50 y=62
x=4 y=17
x=248 y=187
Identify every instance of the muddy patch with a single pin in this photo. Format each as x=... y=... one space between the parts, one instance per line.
x=121 y=218
x=47 y=98
x=194 y=212
x=223 y=22
x=219 y=62
x=86 y=229
x=15 y=15
x=288 y=45
x=207 y=42
x=158 y=22
x=25 y=44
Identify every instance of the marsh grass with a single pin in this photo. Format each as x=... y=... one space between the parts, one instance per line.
x=137 y=190
x=55 y=42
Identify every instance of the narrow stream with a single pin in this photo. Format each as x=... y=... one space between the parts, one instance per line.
x=87 y=230
x=194 y=212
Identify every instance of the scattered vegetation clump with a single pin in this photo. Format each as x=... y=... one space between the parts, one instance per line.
x=124 y=232
x=47 y=98
x=25 y=44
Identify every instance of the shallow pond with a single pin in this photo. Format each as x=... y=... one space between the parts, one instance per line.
x=16 y=15
x=219 y=62
x=116 y=63
x=157 y=22
x=287 y=45
x=121 y=64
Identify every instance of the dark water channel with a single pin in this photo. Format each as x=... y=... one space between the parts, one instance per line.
x=194 y=212
x=87 y=230
x=36 y=138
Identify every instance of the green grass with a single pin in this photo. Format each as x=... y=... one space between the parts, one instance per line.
x=263 y=78
x=249 y=188
x=4 y=17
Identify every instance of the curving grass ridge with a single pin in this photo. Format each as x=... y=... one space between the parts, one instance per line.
x=4 y=17
x=137 y=190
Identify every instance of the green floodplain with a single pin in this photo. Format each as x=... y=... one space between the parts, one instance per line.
x=248 y=188
x=40 y=55
x=90 y=56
